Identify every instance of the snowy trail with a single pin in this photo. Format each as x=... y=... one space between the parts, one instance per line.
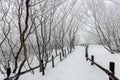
x=75 y=67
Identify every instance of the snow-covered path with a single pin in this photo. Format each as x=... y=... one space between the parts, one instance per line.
x=75 y=67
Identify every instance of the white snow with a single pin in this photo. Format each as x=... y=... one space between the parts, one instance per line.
x=75 y=66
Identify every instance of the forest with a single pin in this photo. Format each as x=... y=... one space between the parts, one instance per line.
x=36 y=28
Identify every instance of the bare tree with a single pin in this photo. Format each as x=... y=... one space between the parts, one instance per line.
x=106 y=26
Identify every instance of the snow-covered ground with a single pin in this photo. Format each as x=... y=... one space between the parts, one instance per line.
x=75 y=66
x=103 y=57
